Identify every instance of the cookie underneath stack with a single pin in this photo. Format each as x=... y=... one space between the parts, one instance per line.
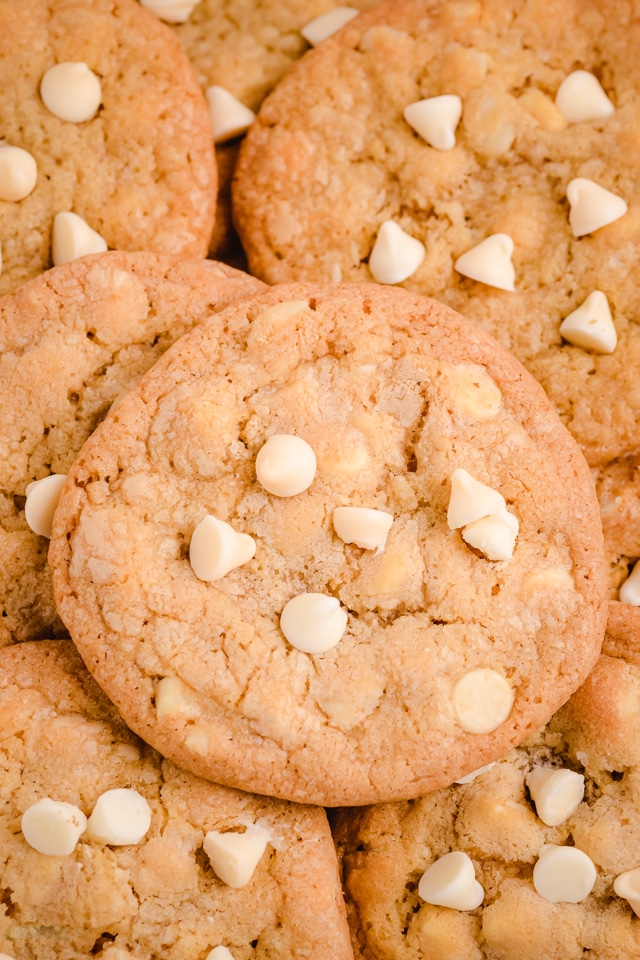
x=494 y=823
x=118 y=893
x=72 y=341
x=122 y=140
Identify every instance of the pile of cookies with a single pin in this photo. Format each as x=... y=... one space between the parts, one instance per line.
x=319 y=622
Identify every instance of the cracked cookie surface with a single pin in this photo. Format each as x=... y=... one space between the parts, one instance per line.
x=393 y=392
x=330 y=158
x=61 y=738
x=493 y=819
x=72 y=341
x=141 y=172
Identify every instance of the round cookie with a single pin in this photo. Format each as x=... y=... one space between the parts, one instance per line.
x=141 y=171
x=71 y=341
x=245 y=46
x=158 y=894
x=331 y=158
x=496 y=821
x=393 y=392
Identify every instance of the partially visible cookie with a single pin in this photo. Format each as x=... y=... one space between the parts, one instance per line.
x=331 y=159
x=140 y=880
x=122 y=139
x=263 y=561
x=245 y=46
x=494 y=825
x=71 y=342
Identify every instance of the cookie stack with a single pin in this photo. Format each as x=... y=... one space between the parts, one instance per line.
x=335 y=542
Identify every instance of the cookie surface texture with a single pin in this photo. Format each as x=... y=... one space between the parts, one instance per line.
x=72 y=341
x=331 y=158
x=495 y=822
x=159 y=895
x=140 y=171
x=392 y=393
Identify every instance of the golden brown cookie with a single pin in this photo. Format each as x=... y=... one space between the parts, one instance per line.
x=336 y=547
x=140 y=880
x=497 y=825
x=331 y=159
x=71 y=342
x=128 y=148
x=245 y=46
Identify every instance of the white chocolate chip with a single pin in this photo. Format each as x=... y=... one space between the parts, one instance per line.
x=436 y=119
x=120 y=817
x=494 y=535
x=285 y=465
x=53 y=827
x=471 y=500
x=627 y=885
x=396 y=255
x=235 y=856
x=5 y=956
x=42 y=499
x=71 y=91
x=592 y=207
x=470 y=777
x=563 y=874
x=216 y=549
x=172 y=11
x=18 y=173
x=229 y=117
x=72 y=238
x=482 y=700
x=630 y=589
x=220 y=953
x=580 y=97
x=451 y=882
x=171 y=698
x=365 y=527
x=313 y=622
x=327 y=24
x=590 y=326
x=557 y=793
x=490 y=262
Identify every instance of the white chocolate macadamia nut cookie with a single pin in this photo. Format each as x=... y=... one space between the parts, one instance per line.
x=523 y=204
x=106 y=846
x=547 y=840
x=102 y=120
x=71 y=343
x=334 y=665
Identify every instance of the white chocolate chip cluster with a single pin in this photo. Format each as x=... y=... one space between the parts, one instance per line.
x=312 y=622
x=397 y=255
x=120 y=817
x=482 y=514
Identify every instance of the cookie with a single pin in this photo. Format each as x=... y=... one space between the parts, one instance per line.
x=71 y=341
x=269 y=556
x=331 y=160
x=110 y=850
x=570 y=794
x=113 y=130
x=618 y=488
x=244 y=46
